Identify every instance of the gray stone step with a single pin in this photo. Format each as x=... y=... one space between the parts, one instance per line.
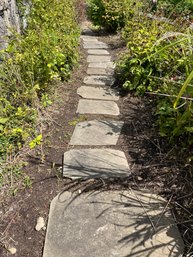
x=100 y=71
x=98 y=58
x=99 y=80
x=90 y=39
x=111 y=224
x=104 y=65
x=95 y=45
x=95 y=163
x=96 y=132
x=103 y=93
x=97 y=107
x=98 y=52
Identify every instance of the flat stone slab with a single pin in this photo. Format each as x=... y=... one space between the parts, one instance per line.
x=100 y=71
x=98 y=58
x=99 y=80
x=111 y=224
x=103 y=93
x=97 y=107
x=94 y=163
x=95 y=45
x=96 y=132
x=104 y=65
x=90 y=39
x=98 y=52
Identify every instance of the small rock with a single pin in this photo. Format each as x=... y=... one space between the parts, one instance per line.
x=40 y=224
x=12 y=250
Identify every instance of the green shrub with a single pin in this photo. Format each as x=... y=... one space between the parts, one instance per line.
x=159 y=60
x=111 y=15
x=47 y=50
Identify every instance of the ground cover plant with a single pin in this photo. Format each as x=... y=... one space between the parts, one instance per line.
x=46 y=51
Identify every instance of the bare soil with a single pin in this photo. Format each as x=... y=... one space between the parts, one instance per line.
x=155 y=165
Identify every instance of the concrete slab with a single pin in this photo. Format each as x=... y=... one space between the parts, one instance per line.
x=98 y=58
x=98 y=52
x=100 y=71
x=111 y=224
x=90 y=39
x=103 y=93
x=95 y=45
x=104 y=65
x=97 y=107
x=96 y=132
x=99 y=80
x=94 y=163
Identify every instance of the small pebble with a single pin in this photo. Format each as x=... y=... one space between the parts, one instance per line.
x=12 y=250
x=40 y=224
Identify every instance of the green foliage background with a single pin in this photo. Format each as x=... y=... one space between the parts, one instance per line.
x=46 y=51
x=158 y=58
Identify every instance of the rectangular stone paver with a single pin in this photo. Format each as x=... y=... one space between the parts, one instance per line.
x=103 y=93
x=100 y=71
x=95 y=45
x=99 y=80
x=92 y=163
x=98 y=58
x=98 y=52
x=90 y=39
x=111 y=224
x=104 y=65
x=97 y=107
x=96 y=132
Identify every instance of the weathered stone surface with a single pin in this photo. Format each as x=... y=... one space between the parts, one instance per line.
x=96 y=132
x=99 y=80
x=9 y=19
x=97 y=107
x=111 y=224
x=100 y=71
x=103 y=93
x=90 y=39
x=104 y=65
x=97 y=58
x=92 y=163
x=95 y=45
x=98 y=52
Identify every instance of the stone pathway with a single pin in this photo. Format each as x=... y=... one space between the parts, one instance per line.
x=113 y=223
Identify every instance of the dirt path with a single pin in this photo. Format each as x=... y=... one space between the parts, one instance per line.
x=153 y=166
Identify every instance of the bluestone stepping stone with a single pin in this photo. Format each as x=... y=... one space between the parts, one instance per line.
x=92 y=163
x=99 y=80
x=95 y=45
x=103 y=93
x=97 y=107
x=100 y=71
x=98 y=58
x=90 y=39
x=111 y=224
x=104 y=65
x=96 y=132
x=98 y=52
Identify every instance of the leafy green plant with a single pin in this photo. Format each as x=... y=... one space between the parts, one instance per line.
x=159 y=60
x=45 y=51
x=111 y=15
